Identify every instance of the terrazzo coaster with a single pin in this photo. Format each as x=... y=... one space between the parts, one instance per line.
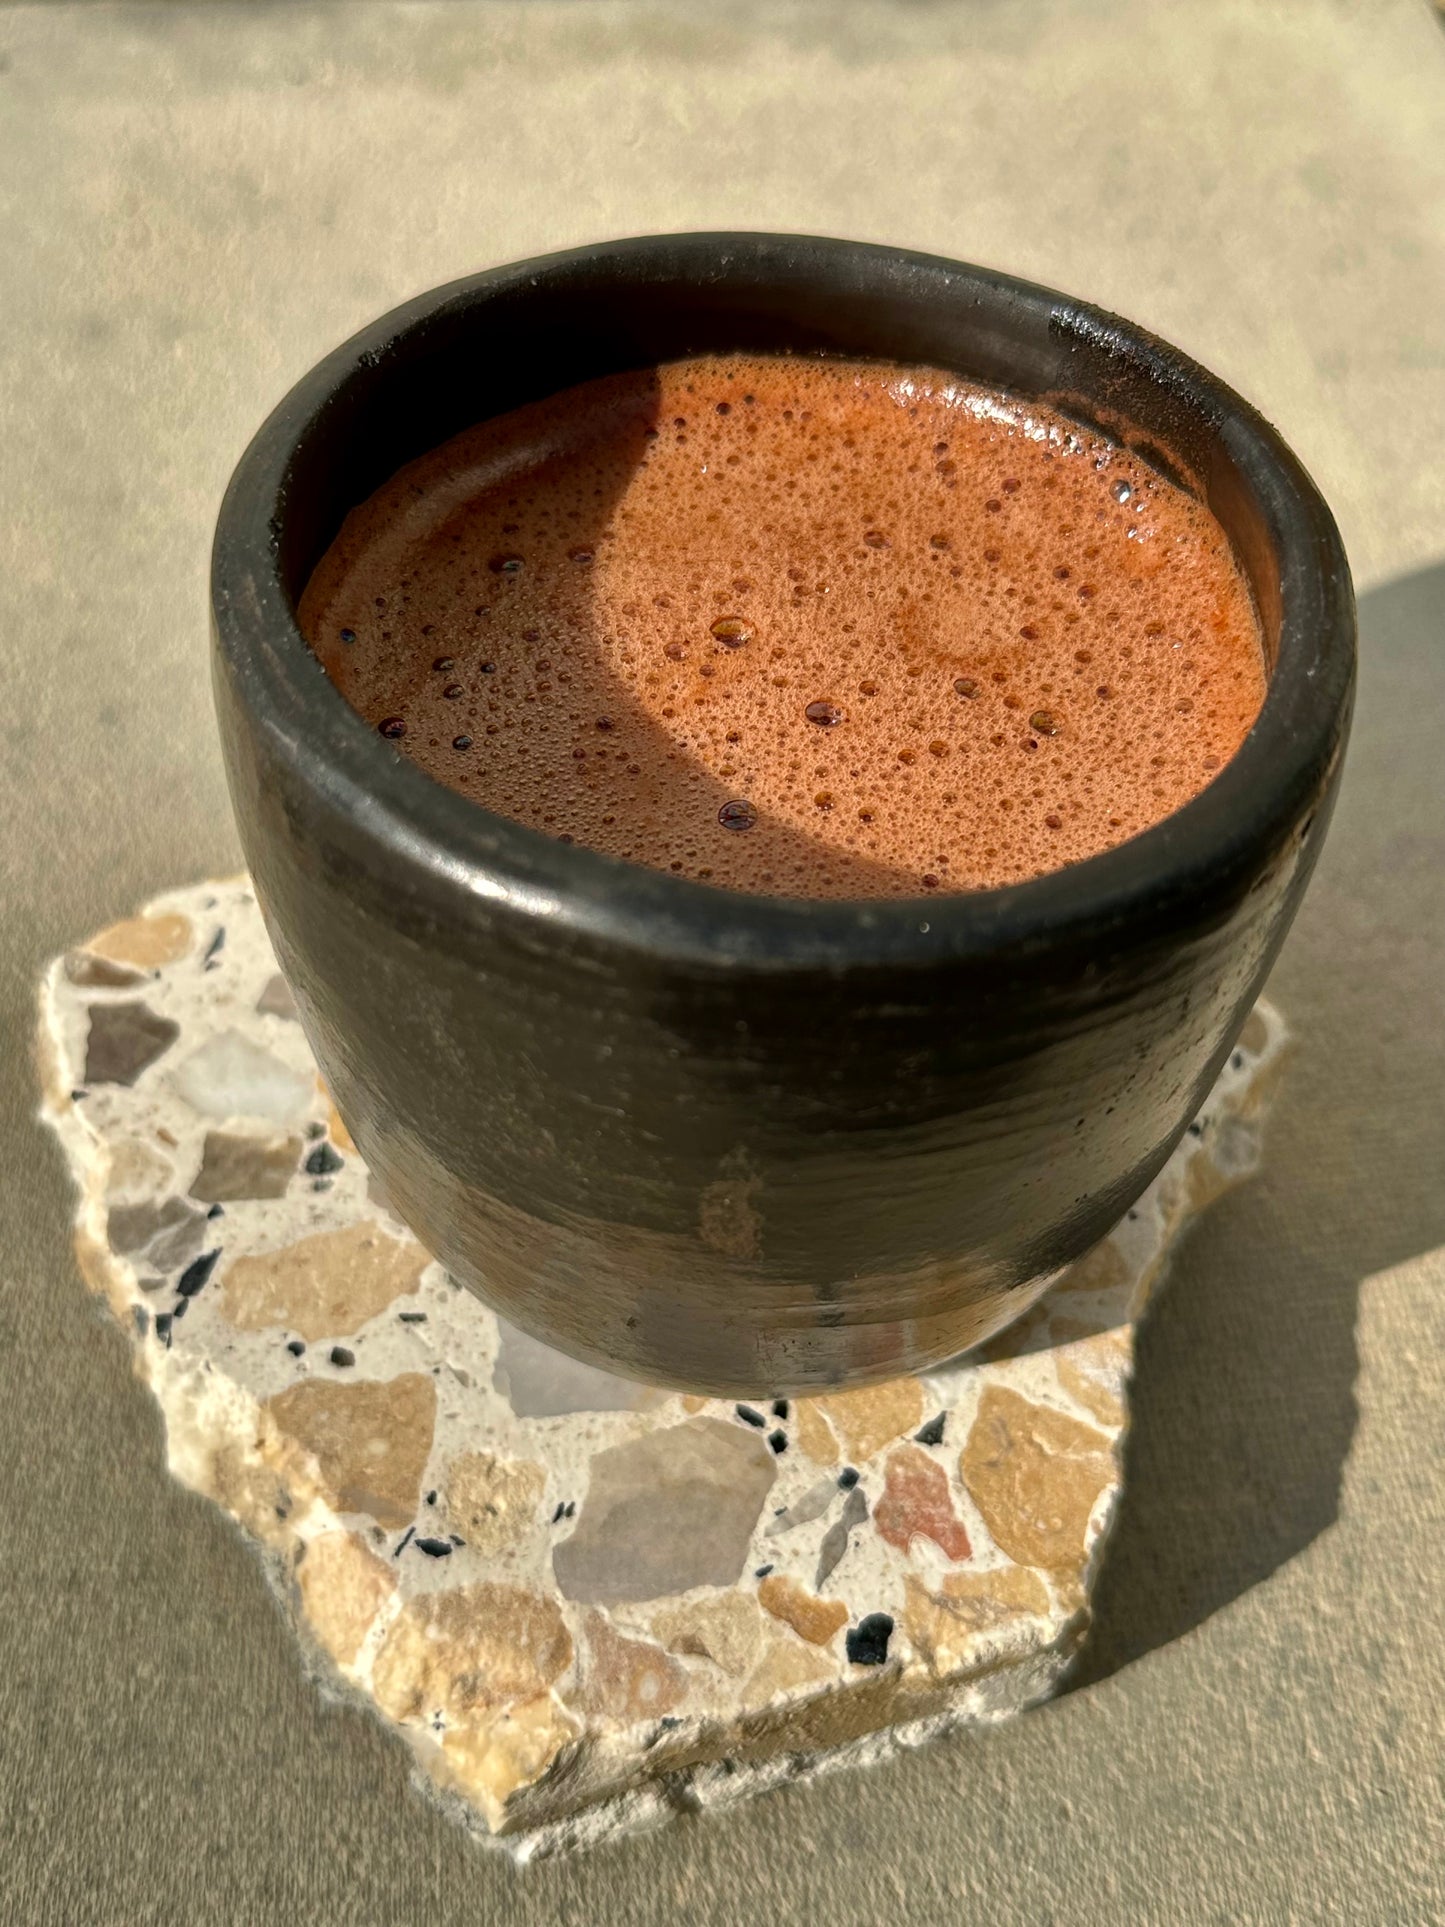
x=584 y=1602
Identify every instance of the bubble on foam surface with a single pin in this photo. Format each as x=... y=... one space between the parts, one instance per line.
x=646 y=598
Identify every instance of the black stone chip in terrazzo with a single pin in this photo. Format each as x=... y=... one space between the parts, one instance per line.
x=142 y=1317
x=780 y=1408
x=163 y=1328
x=560 y=1513
x=779 y=1442
x=77 y=1095
x=178 y=1310
x=571 y=1508
x=412 y=1317
x=216 y=1211
x=323 y=1161
x=296 y=1346
x=406 y=1538
x=197 y=1272
x=215 y=947
x=342 y=1355
x=431 y=1497
x=749 y=1416
x=1196 y=1129
x=314 y=1130
x=867 y=1642
x=848 y=1477
x=442 y=1549
x=932 y=1433
x=1237 y=1061
x=456 y=1538
x=761 y=1572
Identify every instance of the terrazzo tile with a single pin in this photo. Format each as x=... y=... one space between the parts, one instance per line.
x=583 y=1602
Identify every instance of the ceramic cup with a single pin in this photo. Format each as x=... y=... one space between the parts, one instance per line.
x=733 y=1143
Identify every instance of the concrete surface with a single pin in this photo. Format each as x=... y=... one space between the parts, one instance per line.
x=195 y=201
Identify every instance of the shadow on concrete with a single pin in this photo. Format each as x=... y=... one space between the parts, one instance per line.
x=1244 y=1390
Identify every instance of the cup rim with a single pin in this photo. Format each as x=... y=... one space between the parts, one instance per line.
x=470 y=863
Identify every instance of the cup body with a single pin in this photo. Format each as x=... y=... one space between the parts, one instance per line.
x=735 y=1143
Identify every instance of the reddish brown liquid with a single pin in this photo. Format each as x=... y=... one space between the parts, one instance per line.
x=805 y=627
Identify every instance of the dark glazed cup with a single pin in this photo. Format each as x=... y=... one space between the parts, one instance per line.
x=736 y=1143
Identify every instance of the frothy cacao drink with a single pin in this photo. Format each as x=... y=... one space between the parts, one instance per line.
x=798 y=626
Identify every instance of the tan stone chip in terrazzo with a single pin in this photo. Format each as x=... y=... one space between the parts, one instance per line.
x=970 y=1615
x=811 y=1618
x=626 y=1679
x=148 y=942
x=473 y=1647
x=868 y=1417
x=1035 y=1475
x=492 y=1502
x=1254 y=1037
x=724 y=1627
x=242 y=1164
x=815 y=1436
x=255 y=1487
x=370 y=1441
x=497 y=1754
x=325 y=1286
x=1092 y=1370
x=136 y=1171
x=979 y=1599
x=787 y=1666
x=344 y=1587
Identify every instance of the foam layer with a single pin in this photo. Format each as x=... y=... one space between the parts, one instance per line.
x=810 y=628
